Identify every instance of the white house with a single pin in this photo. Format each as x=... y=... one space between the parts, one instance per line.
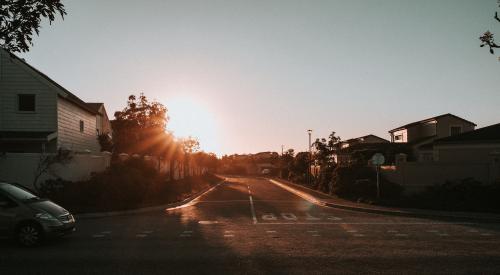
x=38 y=115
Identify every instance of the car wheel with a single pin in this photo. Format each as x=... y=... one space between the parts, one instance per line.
x=29 y=234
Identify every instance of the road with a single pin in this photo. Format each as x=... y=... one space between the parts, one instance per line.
x=250 y=225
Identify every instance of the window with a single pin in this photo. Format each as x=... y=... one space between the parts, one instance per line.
x=82 y=126
x=26 y=103
x=455 y=130
x=398 y=137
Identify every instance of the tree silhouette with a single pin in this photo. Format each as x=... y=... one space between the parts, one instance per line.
x=19 y=19
x=487 y=37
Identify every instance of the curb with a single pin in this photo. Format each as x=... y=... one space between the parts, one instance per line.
x=148 y=209
x=414 y=214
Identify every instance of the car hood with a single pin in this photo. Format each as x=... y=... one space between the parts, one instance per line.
x=49 y=207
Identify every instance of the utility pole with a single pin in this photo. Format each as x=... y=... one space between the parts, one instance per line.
x=309 y=132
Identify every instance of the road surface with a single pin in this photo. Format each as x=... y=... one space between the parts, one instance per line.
x=250 y=225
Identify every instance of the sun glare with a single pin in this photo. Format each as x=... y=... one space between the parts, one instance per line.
x=188 y=117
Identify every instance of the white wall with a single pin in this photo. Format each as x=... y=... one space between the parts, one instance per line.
x=20 y=167
x=69 y=135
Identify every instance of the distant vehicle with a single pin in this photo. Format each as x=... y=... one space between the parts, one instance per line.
x=266 y=172
x=30 y=219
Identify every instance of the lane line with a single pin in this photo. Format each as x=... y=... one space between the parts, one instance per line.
x=252 y=207
x=270 y=231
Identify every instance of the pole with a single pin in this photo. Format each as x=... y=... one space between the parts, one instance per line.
x=310 y=160
x=378 y=182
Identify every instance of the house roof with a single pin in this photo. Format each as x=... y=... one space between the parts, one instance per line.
x=428 y=120
x=483 y=135
x=95 y=106
x=68 y=95
x=383 y=140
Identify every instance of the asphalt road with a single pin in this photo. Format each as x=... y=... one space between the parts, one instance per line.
x=252 y=226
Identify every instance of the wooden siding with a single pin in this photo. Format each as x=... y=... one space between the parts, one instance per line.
x=14 y=80
x=69 y=135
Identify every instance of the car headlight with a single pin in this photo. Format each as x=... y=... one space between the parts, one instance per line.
x=46 y=217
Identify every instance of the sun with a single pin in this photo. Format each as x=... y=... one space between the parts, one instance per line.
x=189 y=117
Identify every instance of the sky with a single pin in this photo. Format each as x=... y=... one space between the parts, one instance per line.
x=251 y=76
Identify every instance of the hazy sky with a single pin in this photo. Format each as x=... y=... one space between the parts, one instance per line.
x=249 y=76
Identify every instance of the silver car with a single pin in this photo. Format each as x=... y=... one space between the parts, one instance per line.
x=30 y=219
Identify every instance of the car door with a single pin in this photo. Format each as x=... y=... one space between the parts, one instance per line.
x=8 y=211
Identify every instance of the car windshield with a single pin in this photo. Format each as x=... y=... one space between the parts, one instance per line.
x=18 y=193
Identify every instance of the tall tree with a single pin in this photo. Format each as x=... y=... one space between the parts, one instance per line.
x=487 y=37
x=19 y=19
x=140 y=128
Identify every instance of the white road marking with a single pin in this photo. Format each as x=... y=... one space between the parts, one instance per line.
x=289 y=216
x=208 y=222
x=359 y=235
x=269 y=217
x=97 y=236
x=309 y=217
x=352 y=231
x=316 y=235
x=270 y=231
x=361 y=223
x=331 y=218
x=432 y=231
x=392 y=231
x=252 y=209
x=228 y=231
x=228 y=236
x=312 y=231
x=141 y=235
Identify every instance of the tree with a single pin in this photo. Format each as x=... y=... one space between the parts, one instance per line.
x=20 y=18
x=46 y=164
x=323 y=156
x=189 y=146
x=140 y=128
x=487 y=37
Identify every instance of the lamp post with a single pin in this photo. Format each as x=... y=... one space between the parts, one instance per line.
x=309 y=132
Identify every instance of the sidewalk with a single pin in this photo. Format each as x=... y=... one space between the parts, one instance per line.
x=335 y=202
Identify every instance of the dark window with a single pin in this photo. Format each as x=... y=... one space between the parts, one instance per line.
x=398 y=137
x=455 y=130
x=82 y=126
x=26 y=103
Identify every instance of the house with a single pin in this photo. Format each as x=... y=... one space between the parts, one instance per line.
x=364 y=147
x=420 y=135
x=481 y=145
x=363 y=140
x=39 y=115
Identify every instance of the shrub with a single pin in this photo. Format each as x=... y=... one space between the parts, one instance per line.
x=461 y=195
x=124 y=185
x=360 y=183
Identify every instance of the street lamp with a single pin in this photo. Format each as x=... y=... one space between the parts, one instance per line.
x=309 y=132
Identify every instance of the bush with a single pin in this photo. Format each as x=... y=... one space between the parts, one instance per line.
x=462 y=195
x=360 y=183
x=125 y=185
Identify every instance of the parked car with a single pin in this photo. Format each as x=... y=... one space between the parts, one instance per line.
x=30 y=219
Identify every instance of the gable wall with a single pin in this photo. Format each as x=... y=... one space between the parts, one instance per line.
x=15 y=79
x=69 y=135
